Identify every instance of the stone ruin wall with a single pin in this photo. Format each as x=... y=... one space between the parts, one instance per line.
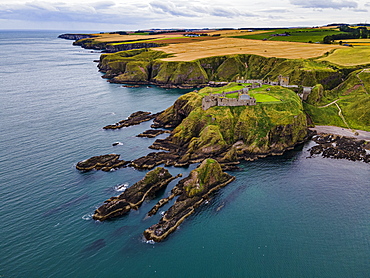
x=221 y=100
x=235 y=102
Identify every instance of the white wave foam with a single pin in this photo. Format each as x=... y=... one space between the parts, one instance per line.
x=87 y=216
x=150 y=241
x=121 y=187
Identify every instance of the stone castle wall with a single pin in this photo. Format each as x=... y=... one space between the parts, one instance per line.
x=221 y=100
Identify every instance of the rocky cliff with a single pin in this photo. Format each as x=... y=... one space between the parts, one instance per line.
x=75 y=37
x=134 y=67
x=228 y=134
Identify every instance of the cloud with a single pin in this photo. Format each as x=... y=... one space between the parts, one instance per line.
x=170 y=8
x=361 y=10
x=187 y=9
x=103 y=5
x=276 y=10
x=97 y=12
x=328 y=4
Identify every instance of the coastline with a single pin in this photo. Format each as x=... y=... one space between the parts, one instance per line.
x=362 y=135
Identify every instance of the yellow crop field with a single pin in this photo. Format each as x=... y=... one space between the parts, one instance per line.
x=123 y=38
x=229 y=33
x=350 y=56
x=356 y=41
x=229 y=46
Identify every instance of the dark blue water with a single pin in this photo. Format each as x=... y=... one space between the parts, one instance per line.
x=285 y=216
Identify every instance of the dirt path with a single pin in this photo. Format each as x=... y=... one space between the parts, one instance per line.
x=341 y=116
x=329 y=103
x=362 y=135
x=362 y=82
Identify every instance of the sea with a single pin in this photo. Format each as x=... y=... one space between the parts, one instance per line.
x=283 y=216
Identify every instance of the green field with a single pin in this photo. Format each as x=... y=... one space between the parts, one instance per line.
x=260 y=94
x=263 y=97
x=351 y=56
x=296 y=35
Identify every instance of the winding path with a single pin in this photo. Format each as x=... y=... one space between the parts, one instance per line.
x=362 y=82
x=340 y=114
x=329 y=103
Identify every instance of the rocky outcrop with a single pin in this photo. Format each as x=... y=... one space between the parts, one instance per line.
x=134 y=119
x=151 y=133
x=134 y=196
x=102 y=162
x=192 y=192
x=339 y=147
x=75 y=37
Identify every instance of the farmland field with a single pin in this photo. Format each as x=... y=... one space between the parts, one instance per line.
x=169 y=40
x=296 y=35
x=228 y=46
x=349 y=56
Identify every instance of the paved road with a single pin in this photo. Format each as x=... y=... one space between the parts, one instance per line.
x=363 y=135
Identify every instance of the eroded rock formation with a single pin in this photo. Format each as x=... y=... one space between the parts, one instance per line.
x=102 y=162
x=151 y=133
x=135 y=195
x=134 y=119
x=192 y=192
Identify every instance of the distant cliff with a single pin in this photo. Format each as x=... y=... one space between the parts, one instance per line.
x=74 y=37
x=145 y=66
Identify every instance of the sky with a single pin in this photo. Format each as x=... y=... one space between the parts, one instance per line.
x=117 y=15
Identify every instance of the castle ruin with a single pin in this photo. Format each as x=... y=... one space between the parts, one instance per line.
x=244 y=99
x=282 y=81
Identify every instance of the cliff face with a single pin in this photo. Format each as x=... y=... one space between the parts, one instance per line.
x=220 y=68
x=112 y=48
x=75 y=36
x=87 y=41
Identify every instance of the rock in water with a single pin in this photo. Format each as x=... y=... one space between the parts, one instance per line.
x=340 y=147
x=134 y=119
x=193 y=191
x=151 y=133
x=102 y=162
x=135 y=195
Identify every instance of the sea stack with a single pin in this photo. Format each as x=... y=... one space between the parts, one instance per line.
x=193 y=191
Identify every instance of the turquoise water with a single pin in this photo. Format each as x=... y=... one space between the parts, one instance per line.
x=285 y=216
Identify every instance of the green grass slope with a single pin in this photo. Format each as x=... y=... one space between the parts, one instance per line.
x=352 y=99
